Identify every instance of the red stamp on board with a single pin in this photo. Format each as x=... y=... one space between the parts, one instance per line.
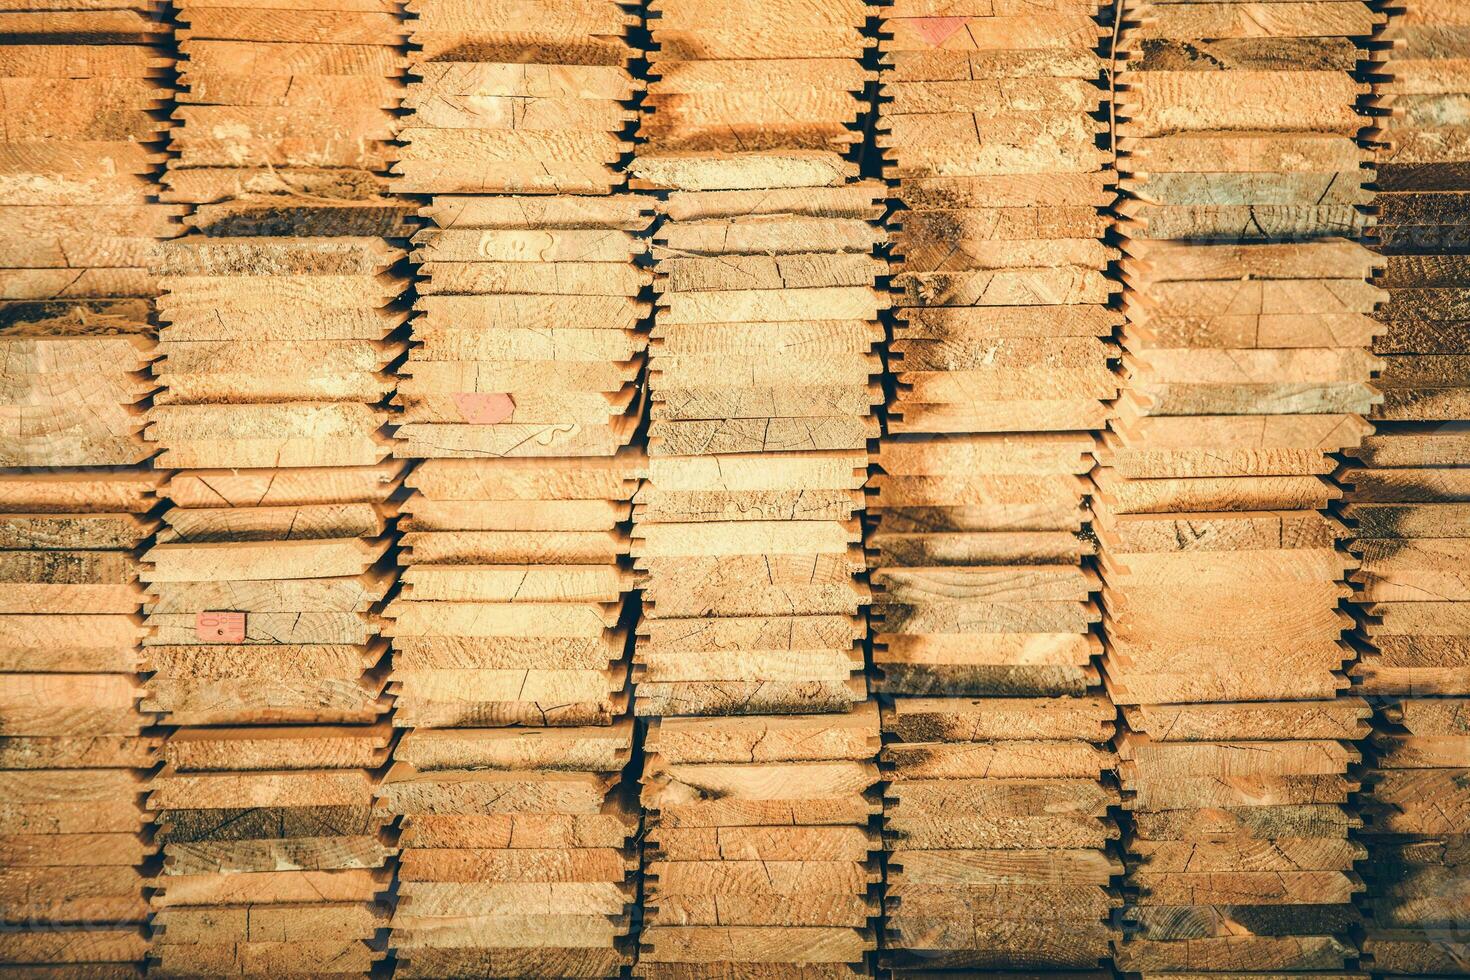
x=220 y=627
x=937 y=30
x=484 y=407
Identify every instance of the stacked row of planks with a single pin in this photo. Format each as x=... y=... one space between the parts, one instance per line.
x=281 y=316
x=520 y=397
x=1408 y=493
x=1246 y=369
x=82 y=93
x=469 y=509
x=758 y=780
x=996 y=821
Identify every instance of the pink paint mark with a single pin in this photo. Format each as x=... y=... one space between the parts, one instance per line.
x=484 y=407
x=937 y=30
x=220 y=627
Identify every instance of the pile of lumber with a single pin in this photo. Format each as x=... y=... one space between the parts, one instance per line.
x=988 y=124
x=762 y=369
x=81 y=135
x=761 y=491
x=997 y=830
x=514 y=609
x=285 y=117
x=529 y=338
x=996 y=812
x=274 y=857
x=266 y=584
x=515 y=851
x=757 y=855
x=762 y=387
x=526 y=98
x=516 y=841
x=74 y=748
x=85 y=86
x=1408 y=489
x=274 y=355
x=1247 y=309
x=513 y=627
x=281 y=320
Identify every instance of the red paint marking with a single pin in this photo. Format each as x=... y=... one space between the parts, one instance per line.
x=937 y=30
x=220 y=627
x=484 y=407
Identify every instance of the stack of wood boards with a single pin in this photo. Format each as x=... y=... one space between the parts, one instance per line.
x=286 y=116
x=512 y=631
x=516 y=856
x=995 y=818
x=1247 y=323
x=761 y=375
x=85 y=89
x=282 y=321
x=996 y=825
x=990 y=126
x=266 y=586
x=996 y=811
x=456 y=453
x=762 y=387
x=1409 y=502
x=81 y=133
x=74 y=748
x=528 y=339
x=274 y=859
x=530 y=97
x=757 y=859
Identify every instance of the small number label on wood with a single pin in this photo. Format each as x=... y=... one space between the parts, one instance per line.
x=484 y=407
x=220 y=627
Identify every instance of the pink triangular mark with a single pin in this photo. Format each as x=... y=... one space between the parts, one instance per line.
x=937 y=30
x=484 y=407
